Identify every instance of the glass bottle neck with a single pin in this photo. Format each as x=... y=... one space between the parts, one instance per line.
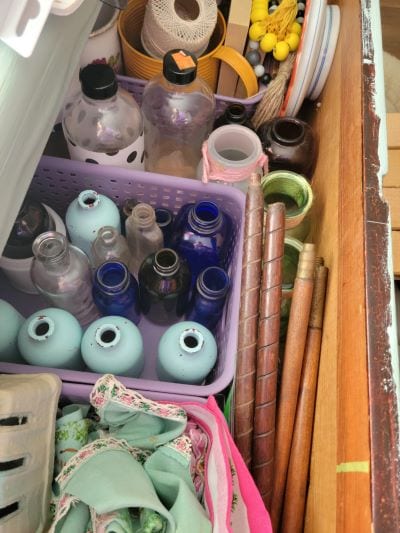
x=205 y=217
x=288 y=131
x=51 y=248
x=113 y=277
x=143 y=216
x=108 y=236
x=213 y=283
x=166 y=262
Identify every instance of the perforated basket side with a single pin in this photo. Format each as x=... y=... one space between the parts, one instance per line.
x=58 y=181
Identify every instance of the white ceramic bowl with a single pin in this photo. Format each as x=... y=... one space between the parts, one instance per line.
x=18 y=271
x=327 y=52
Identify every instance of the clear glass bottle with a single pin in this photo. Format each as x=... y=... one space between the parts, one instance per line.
x=164 y=284
x=61 y=273
x=109 y=244
x=116 y=291
x=178 y=110
x=208 y=300
x=143 y=234
x=104 y=123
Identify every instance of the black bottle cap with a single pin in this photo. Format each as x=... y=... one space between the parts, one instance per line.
x=98 y=81
x=179 y=66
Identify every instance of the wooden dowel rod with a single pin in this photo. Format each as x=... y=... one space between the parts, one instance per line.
x=245 y=377
x=291 y=373
x=296 y=484
x=268 y=350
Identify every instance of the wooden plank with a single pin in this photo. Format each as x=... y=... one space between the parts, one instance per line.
x=392 y=178
x=396 y=252
x=31 y=93
x=392 y=196
x=393 y=130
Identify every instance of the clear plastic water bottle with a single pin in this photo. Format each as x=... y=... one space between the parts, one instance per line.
x=104 y=124
x=178 y=109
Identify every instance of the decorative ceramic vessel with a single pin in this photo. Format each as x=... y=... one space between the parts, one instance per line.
x=113 y=344
x=202 y=233
x=116 y=291
x=85 y=215
x=290 y=144
x=164 y=283
x=18 y=271
x=208 y=301
x=11 y=322
x=51 y=337
x=186 y=353
x=291 y=189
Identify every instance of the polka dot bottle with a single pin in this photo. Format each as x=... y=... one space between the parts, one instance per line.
x=103 y=124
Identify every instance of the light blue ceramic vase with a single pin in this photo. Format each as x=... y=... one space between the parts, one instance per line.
x=51 y=337
x=186 y=353
x=11 y=321
x=113 y=344
x=85 y=215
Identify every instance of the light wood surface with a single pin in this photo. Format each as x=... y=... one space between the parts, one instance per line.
x=392 y=196
x=341 y=501
x=390 y=15
x=392 y=178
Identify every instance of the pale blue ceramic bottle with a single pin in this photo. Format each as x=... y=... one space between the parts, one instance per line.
x=85 y=215
x=187 y=352
x=11 y=322
x=51 y=337
x=113 y=344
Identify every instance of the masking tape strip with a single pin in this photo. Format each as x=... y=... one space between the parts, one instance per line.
x=354 y=466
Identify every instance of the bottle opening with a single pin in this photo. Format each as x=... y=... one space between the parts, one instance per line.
x=42 y=328
x=144 y=215
x=191 y=340
x=108 y=336
x=50 y=246
x=206 y=212
x=163 y=217
x=107 y=234
x=166 y=261
x=88 y=199
x=288 y=131
x=213 y=282
x=112 y=275
x=236 y=112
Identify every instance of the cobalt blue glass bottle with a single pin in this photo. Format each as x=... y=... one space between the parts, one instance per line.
x=164 y=283
x=202 y=235
x=208 y=300
x=116 y=291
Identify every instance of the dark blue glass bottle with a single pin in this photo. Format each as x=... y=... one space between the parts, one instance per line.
x=165 y=219
x=202 y=235
x=116 y=291
x=209 y=297
x=164 y=284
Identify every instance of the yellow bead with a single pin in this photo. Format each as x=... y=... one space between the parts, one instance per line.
x=281 y=50
x=295 y=28
x=293 y=41
x=256 y=31
x=257 y=14
x=268 y=42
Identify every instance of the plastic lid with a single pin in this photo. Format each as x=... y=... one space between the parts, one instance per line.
x=98 y=81
x=179 y=66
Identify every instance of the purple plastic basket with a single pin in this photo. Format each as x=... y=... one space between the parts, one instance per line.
x=136 y=86
x=58 y=181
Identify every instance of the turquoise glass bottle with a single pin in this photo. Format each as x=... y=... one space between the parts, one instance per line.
x=187 y=352
x=11 y=322
x=113 y=344
x=85 y=215
x=51 y=337
x=164 y=284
